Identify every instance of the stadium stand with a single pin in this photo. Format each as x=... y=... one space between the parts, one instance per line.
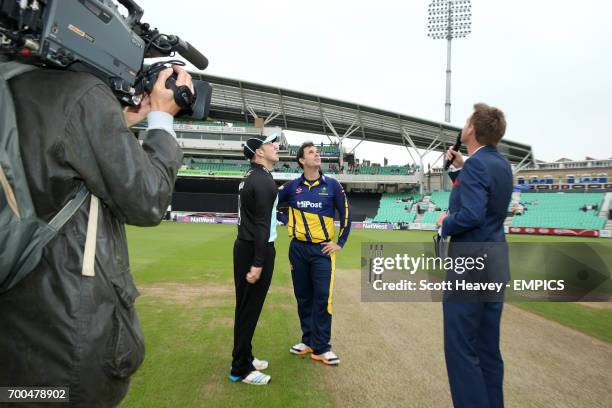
x=325 y=150
x=218 y=167
x=212 y=195
x=430 y=217
x=543 y=210
x=221 y=195
x=211 y=167
x=383 y=170
x=363 y=205
x=396 y=208
x=561 y=210
x=440 y=199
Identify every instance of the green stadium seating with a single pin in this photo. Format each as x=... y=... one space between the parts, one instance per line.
x=383 y=170
x=441 y=199
x=206 y=166
x=392 y=209
x=325 y=150
x=430 y=217
x=560 y=210
x=212 y=167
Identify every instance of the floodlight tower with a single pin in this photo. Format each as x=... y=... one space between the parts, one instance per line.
x=449 y=19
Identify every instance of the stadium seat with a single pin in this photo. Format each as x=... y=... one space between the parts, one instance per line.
x=430 y=217
x=383 y=170
x=440 y=199
x=560 y=210
x=396 y=208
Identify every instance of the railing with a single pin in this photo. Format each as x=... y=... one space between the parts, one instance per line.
x=582 y=164
x=344 y=178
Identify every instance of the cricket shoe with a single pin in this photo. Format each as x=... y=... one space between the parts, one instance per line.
x=300 y=349
x=253 y=378
x=328 y=358
x=260 y=365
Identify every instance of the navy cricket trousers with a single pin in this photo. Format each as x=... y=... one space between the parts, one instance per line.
x=312 y=273
x=473 y=359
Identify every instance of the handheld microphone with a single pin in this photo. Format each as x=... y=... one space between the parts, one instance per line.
x=456 y=148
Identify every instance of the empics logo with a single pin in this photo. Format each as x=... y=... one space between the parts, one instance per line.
x=308 y=204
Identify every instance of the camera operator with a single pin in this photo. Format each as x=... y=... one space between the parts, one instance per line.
x=62 y=327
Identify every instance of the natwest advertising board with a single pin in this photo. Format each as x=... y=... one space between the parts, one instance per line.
x=206 y=220
x=379 y=226
x=554 y=231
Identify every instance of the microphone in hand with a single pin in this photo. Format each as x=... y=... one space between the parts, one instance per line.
x=456 y=148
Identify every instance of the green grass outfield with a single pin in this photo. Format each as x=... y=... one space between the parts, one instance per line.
x=187 y=307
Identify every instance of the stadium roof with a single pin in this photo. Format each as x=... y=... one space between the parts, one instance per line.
x=235 y=100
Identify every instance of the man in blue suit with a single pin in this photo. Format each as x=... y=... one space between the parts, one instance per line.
x=482 y=187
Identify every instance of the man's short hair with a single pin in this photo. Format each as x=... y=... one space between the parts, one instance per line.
x=300 y=152
x=489 y=124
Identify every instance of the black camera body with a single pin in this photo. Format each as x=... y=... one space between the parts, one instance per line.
x=93 y=36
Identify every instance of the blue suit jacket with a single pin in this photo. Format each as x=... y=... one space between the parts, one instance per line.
x=479 y=199
x=477 y=210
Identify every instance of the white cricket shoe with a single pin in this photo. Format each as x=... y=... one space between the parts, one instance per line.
x=300 y=349
x=260 y=365
x=328 y=358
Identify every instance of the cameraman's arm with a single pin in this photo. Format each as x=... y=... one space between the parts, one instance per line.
x=134 y=181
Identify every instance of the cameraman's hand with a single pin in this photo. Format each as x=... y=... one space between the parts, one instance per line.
x=136 y=114
x=183 y=77
x=162 y=98
x=457 y=162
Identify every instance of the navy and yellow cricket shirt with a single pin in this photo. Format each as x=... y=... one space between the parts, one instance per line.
x=312 y=205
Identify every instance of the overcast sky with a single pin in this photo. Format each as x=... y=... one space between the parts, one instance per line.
x=547 y=64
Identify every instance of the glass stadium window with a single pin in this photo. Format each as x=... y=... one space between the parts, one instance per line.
x=190 y=135
x=211 y=136
x=571 y=179
x=232 y=138
x=520 y=180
